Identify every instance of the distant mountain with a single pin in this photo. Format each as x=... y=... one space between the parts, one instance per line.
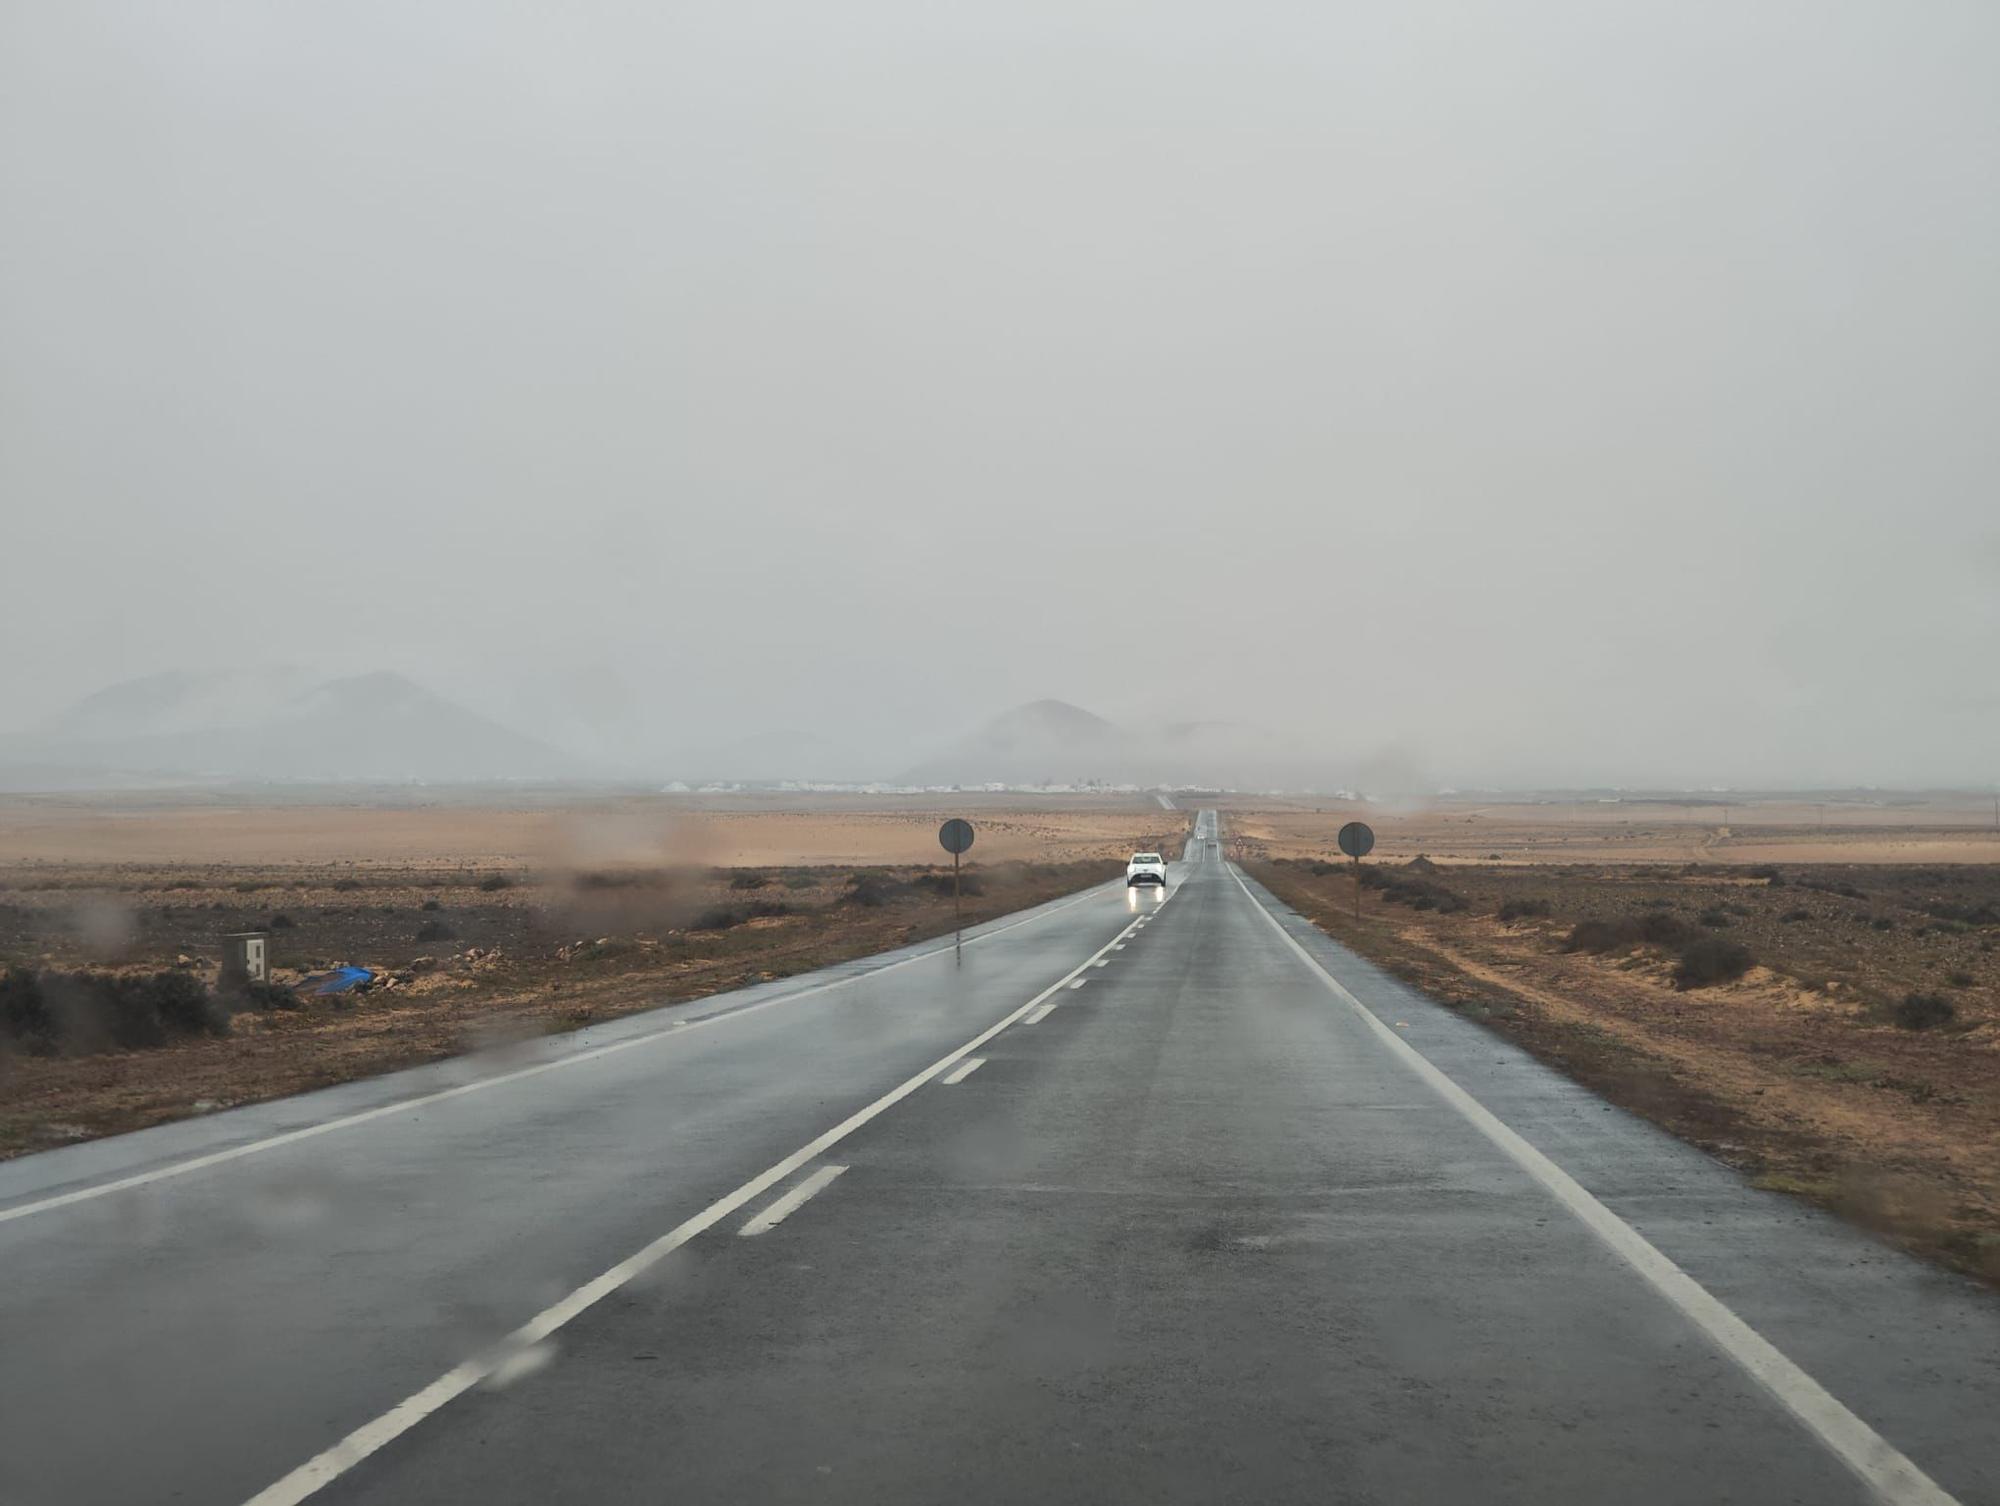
x=281 y=724
x=1053 y=742
x=1043 y=742
x=584 y=707
x=175 y=704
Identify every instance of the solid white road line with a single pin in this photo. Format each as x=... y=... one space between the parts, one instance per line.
x=349 y=1121
x=1038 y=1016
x=967 y=1067
x=330 y=1464
x=1885 y=1471
x=777 y=1212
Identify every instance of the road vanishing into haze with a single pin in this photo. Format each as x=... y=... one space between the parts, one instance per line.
x=1144 y=1199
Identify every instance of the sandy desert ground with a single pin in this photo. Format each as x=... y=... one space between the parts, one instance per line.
x=554 y=829
x=1846 y=827
x=566 y=829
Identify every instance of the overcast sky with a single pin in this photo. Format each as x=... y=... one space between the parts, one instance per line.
x=1546 y=391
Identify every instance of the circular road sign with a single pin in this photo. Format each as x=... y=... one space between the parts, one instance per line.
x=1356 y=840
x=955 y=836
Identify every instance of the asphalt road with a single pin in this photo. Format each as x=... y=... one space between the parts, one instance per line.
x=1143 y=1200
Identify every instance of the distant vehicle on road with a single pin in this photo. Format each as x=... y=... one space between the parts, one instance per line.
x=1145 y=868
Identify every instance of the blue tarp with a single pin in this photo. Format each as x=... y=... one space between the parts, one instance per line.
x=339 y=981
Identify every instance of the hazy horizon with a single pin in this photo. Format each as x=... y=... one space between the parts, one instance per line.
x=1547 y=397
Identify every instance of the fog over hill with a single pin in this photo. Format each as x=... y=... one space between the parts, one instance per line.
x=274 y=723
x=1042 y=742
x=285 y=723
x=1054 y=742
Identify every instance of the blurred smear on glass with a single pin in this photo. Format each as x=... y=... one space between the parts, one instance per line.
x=514 y=1359
x=685 y=1272
x=1396 y=781
x=625 y=871
x=1061 y=1329
x=994 y=1152
x=274 y=1206
x=104 y=928
x=494 y=1044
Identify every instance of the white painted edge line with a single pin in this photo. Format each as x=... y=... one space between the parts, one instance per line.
x=967 y=1067
x=678 y=1027
x=331 y=1463
x=1036 y=1017
x=777 y=1212
x=1882 y=1468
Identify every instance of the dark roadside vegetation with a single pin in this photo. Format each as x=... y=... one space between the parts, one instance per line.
x=111 y=1016
x=1832 y=1031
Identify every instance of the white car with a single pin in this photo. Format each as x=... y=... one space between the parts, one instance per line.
x=1145 y=868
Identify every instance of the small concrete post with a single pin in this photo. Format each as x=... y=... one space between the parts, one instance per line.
x=245 y=958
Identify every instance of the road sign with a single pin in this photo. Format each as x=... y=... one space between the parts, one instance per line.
x=1357 y=840
x=955 y=836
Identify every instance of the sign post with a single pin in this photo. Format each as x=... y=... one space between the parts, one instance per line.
x=955 y=837
x=1357 y=840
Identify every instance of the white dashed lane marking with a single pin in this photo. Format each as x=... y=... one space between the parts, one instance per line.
x=791 y=1202
x=372 y=1436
